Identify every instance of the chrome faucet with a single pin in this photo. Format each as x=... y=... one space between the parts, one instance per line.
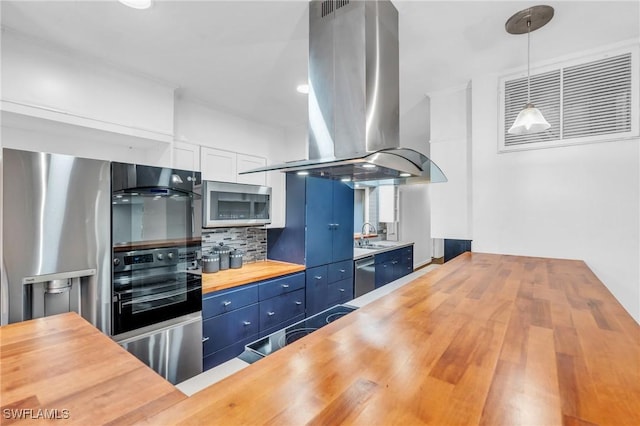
x=371 y=227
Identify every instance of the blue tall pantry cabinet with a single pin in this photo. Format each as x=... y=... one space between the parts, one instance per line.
x=318 y=233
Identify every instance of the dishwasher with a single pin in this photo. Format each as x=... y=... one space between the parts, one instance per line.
x=365 y=276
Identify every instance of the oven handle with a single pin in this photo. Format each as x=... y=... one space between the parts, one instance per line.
x=153 y=298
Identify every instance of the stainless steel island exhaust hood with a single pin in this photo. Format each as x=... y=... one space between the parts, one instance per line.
x=354 y=98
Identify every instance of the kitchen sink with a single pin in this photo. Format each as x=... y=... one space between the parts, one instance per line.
x=374 y=246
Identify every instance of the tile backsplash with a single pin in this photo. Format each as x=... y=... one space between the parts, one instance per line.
x=251 y=240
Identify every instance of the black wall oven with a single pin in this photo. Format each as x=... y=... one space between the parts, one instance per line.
x=157 y=284
x=151 y=286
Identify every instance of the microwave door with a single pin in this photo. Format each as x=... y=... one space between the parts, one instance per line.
x=230 y=204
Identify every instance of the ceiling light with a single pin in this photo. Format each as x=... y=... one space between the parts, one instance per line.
x=303 y=88
x=368 y=166
x=137 y=4
x=303 y=173
x=405 y=174
x=530 y=119
x=346 y=179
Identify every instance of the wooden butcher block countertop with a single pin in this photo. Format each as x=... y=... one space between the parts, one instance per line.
x=64 y=365
x=249 y=273
x=485 y=339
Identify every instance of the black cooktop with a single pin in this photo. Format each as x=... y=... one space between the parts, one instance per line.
x=271 y=343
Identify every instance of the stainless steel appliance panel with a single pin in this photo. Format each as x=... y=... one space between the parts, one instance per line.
x=365 y=280
x=56 y=218
x=174 y=352
x=235 y=204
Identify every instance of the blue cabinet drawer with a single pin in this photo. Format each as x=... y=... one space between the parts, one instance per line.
x=226 y=329
x=281 y=308
x=223 y=355
x=340 y=271
x=279 y=286
x=383 y=257
x=340 y=292
x=316 y=293
x=228 y=300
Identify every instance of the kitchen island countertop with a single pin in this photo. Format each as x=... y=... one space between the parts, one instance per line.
x=65 y=365
x=484 y=339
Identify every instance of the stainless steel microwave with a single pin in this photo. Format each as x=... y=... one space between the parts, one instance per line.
x=235 y=204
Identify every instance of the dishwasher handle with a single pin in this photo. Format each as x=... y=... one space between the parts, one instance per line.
x=367 y=261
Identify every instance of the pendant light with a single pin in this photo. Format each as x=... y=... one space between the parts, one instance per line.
x=530 y=120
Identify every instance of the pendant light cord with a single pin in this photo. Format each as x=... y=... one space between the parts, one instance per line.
x=528 y=61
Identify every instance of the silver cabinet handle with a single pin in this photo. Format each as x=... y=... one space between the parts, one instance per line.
x=342 y=290
x=204 y=339
x=285 y=285
x=227 y=303
x=298 y=302
x=342 y=271
x=394 y=262
x=336 y=225
x=245 y=323
x=318 y=277
x=271 y=313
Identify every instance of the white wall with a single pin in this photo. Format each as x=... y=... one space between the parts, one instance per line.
x=56 y=101
x=576 y=202
x=415 y=202
x=38 y=75
x=451 y=150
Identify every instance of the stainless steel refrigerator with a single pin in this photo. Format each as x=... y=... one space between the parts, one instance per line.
x=56 y=237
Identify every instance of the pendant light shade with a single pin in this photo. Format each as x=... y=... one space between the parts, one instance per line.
x=530 y=119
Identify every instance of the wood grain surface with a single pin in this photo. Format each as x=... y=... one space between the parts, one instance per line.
x=249 y=273
x=63 y=363
x=485 y=339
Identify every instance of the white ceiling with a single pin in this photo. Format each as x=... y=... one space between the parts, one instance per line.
x=247 y=57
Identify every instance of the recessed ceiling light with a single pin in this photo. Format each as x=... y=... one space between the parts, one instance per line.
x=368 y=166
x=405 y=174
x=303 y=88
x=137 y=4
x=303 y=173
x=346 y=179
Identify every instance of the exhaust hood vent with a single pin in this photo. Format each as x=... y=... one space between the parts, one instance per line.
x=354 y=98
x=328 y=6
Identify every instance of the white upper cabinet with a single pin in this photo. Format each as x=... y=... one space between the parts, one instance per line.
x=218 y=165
x=186 y=156
x=225 y=166
x=247 y=162
x=387 y=204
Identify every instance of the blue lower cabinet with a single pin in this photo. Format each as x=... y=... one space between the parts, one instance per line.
x=225 y=354
x=316 y=297
x=280 y=286
x=340 y=292
x=340 y=270
x=224 y=301
x=384 y=273
x=280 y=308
x=329 y=285
x=392 y=265
x=226 y=329
x=236 y=317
